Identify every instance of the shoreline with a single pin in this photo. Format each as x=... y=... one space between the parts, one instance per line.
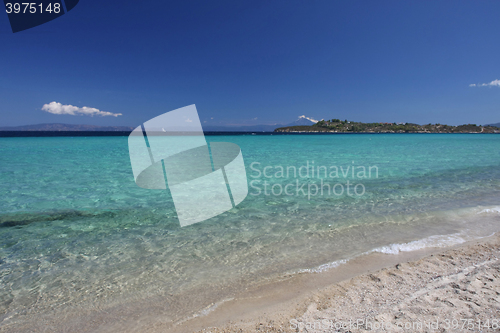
x=388 y=287
x=357 y=289
x=276 y=301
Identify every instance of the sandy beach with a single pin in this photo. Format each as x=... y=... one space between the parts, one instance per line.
x=447 y=290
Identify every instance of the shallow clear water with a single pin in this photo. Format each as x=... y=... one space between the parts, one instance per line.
x=78 y=235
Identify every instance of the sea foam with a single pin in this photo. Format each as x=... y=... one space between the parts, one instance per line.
x=432 y=241
x=490 y=210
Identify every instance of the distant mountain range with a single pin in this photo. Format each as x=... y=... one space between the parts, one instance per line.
x=302 y=121
x=66 y=128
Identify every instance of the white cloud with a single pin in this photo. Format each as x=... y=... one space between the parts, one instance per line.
x=313 y=120
x=491 y=84
x=58 y=108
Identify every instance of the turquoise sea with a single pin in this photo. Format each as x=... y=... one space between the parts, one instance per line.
x=80 y=240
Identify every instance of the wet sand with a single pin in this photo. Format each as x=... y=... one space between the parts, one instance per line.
x=433 y=290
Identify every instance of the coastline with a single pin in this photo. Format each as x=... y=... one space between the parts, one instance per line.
x=377 y=286
x=273 y=300
x=431 y=285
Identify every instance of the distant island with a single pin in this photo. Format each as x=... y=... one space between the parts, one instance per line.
x=339 y=126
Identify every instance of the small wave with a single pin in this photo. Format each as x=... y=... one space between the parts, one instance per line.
x=211 y=308
x=432 y=241
x=490 y=210
x=436 y=241
x=324 y=267
x=205 y=311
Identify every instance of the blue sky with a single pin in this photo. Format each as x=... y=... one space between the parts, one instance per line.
x=257 y=62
